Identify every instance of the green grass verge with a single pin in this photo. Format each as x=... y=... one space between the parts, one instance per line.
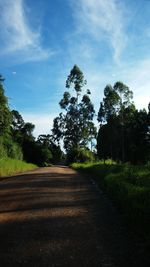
x=128 y=186
x=10 y=166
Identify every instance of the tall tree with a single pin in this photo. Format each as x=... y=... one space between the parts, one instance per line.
x=113 y=115
x=8 y=148
x=75 y=126
x=141 y=136
x=5 y=114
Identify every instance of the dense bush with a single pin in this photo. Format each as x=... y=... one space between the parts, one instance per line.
x=13 y=149
x=79 y=155
x=46 y=156
x=9 y=148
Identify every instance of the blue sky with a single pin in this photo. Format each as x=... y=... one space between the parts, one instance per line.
x=41 y=40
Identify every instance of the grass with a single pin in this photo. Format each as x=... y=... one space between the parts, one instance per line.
x=128 y=186
x=10 y=166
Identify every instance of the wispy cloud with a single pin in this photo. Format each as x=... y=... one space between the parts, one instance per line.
x=102 y=24
x=135 y=75
x=102 y=20
x=16 y=35
x=138 y=79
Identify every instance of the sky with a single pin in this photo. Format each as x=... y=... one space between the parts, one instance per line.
x=41 y=40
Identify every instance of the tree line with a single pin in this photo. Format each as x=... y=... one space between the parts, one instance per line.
x=123 y=134
x=17 y=140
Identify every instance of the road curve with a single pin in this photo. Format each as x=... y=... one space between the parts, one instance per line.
x=56 y=217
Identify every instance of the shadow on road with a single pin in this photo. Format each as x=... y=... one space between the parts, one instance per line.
x=54 y=217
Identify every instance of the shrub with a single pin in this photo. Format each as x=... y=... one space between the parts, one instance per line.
x=79 y=155
x=8 y=148
x=46 y=156
x=13 y=150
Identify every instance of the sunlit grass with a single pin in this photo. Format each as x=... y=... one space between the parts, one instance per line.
x=10 y=166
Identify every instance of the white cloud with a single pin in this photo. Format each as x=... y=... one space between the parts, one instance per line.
x=16 y=35
x=102 y=20
x=43 y=122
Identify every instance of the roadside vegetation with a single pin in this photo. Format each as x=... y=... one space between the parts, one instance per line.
x=128 y=186
x=10 y=166
x=18 y=146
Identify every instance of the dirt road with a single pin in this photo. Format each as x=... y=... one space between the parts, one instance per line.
x=55 y=217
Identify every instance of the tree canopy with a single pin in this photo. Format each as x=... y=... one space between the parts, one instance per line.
x=124 y=131
x=75 y=126
x=5 y=114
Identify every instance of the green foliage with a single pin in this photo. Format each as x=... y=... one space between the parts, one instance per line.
x=46 y=145
x=75 y=126
x=3 y=152
x=45 y=156
x=128 y=185
x=5 y=114
x=13 y=149
x=41 y=152
x=17 y=121
x=12 y=166
x=89 y=164
x=9 y=148
x=76 y=79
x=80 y=155
x=124 y=133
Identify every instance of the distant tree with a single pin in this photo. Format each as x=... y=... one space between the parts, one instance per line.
x=75 y=126
x=22 y=133
x=17 y=121
x=41 y=152
x=17 y=125
x=109 y=106
x=27 y=130
x=28 y=142
x=46 y=142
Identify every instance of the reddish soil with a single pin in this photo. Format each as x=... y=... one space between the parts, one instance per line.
x=56 y=217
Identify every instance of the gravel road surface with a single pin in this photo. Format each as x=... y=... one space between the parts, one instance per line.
x=56 y=217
